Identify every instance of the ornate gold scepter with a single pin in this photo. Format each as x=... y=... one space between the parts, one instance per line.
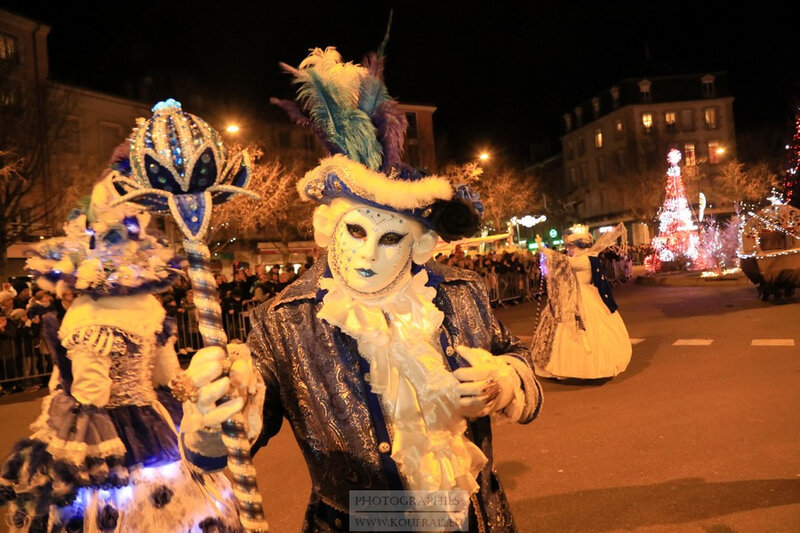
x=178 y=164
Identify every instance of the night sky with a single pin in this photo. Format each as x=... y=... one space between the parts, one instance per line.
x=500 y=73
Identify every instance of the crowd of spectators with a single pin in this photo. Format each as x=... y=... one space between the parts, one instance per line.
x=509 y=276
x=25 y=360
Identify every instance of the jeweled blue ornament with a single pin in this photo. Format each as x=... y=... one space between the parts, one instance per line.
x=178 y=163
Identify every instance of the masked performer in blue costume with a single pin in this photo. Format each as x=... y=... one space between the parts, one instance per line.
x=104 y=454
x=580 y=333
x=387 y=365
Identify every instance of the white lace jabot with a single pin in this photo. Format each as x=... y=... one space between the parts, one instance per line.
x=408 y=373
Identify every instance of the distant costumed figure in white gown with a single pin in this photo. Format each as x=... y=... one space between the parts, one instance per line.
x=580 y=332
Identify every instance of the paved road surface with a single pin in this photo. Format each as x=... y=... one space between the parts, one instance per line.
x=702 y=433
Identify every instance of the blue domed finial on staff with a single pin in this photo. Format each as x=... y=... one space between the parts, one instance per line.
x=179 y=164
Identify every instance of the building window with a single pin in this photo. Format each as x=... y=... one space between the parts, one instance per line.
x=647 y=122
x=622 y=162
x=581 y=146
x=71 y=136
x=670 y=121
x=596 y=106
x=11 y=94
x=644 y=91
x=707 y=82
x=8 y=49
x=715 y=151
x=689 y=158
x=573 y=178
x=579 y=116
x=567 y=122
x=598 y=138
x=619 y=129
x=412 y=132
x=710 y=118
x=584 y=174
x=111 y=135
x=601 y=169
x=687 y=120
x=615 y=97
x=570 y=150
x=412 y=153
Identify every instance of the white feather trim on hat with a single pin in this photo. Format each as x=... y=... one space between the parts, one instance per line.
x=375 y=186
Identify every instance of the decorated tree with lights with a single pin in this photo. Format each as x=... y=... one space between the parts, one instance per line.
x=791 y=181
x=677 y=238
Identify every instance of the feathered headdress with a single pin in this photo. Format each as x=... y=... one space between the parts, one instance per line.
x=106 y=251
x=350 y=110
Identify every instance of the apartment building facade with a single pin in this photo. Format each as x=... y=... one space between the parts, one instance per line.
x=615 y=144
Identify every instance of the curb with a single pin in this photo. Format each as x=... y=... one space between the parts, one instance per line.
x=692 y=281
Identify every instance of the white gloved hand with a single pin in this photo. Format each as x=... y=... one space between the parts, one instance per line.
x=488 y=385
x=206 y=373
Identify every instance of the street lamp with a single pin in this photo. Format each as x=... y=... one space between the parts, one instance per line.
x=720 y=150
x=232 y=128
x=484 y=156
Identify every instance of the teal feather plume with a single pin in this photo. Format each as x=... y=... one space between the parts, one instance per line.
x=336 y=111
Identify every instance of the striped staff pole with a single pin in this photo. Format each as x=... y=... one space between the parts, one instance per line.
x=234 y=435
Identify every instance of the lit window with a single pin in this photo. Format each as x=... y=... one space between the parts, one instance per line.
x=8 y=48
x=670 y=120
x=598 y=138
x=715 y=151
x=688 y=155
x=647 y=122
x=619 y=129
x=710 y=115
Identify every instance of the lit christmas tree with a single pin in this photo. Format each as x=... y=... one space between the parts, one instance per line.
x=677 y=235
x=791 y=182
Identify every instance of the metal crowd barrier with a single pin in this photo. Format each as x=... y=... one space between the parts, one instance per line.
x=236 y=326
x=505 y=287
x=22 y=363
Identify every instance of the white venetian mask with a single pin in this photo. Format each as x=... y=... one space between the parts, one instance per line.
x=371 y=249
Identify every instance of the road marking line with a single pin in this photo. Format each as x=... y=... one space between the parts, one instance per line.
x=636 y=341
x=692 y=342
x=772 y=342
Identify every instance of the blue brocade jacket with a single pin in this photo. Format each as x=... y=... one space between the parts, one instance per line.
x=314 y=378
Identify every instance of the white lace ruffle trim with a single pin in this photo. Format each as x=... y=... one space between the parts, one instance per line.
x=408 y=372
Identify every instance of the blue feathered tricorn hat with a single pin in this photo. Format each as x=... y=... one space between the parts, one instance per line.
x=349 y=109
